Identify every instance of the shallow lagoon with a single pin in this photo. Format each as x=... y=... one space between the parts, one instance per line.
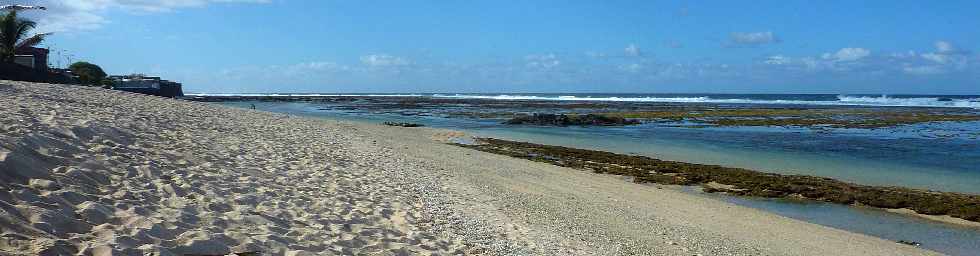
x=946 y=238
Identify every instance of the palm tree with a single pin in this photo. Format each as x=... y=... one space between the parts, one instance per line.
x=13 y=36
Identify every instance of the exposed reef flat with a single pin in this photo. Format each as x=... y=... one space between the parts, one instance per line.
x=739 y=181
x=88 y=171
x=836 y=118
x=695 y=115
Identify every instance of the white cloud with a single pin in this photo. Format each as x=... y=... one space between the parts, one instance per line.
x=945 y=47
x=847 y=54
x=924 y=70
x=851 y=66
x=633 y=51
x=811 y=63
x=316 y=66
x=168 y=5
x=946 y=53
x=384 y=60
x=842 y=61
x=904 y=55
x=947 y=57
x=937 y=57
x=545 y=61
x=752 y=38
x=73 y=15
x=777 y=60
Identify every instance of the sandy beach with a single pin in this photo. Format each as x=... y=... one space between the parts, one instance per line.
x=88 y=171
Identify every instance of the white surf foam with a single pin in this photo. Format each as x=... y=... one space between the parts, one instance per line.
x=841 y=100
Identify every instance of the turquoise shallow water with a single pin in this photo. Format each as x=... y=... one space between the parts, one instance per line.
x=908 y=156
x=904 y=156
x=840 y=166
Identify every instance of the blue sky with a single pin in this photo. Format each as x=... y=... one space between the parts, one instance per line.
x=529 y=46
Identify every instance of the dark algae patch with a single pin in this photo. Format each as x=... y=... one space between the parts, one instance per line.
x=400 y=124
x=835 y=117
x=739 y=181
x=570 y=120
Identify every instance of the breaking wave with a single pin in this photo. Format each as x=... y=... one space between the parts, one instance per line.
x=772 y=99
x=842 y=100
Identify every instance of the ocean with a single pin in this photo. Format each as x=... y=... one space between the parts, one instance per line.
x=907 y=100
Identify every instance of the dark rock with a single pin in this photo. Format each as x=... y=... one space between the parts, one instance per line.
x=912 y=243
x=402 y=124
x=744 y=182
x=568 y=120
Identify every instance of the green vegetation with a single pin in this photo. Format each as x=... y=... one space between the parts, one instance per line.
x=739 y=181
x=88 y=73
x=14 y=33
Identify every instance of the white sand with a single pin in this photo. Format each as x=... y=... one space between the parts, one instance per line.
x=93 y=171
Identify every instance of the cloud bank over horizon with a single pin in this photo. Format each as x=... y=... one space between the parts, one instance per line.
x=82 y=15
x=285 y=45
x=554 y=72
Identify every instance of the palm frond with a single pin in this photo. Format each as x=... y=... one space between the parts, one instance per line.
x=23 y=27
x=14 y=35
x=31 y=41
x=8 y=28
x=8 y=38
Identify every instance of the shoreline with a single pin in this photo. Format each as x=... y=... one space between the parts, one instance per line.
x=936 y=156
x=743 y=182
x=89 y=170
x=460 y=138
x=939 y=218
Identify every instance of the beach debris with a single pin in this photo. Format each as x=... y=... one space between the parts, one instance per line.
x=398 y=124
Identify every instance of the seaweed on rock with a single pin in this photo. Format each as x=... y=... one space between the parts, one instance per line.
x=399 y=124
x=739 y=181
x=568 y=120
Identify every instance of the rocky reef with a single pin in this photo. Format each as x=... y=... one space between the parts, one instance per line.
x=562 y=113
x=853 y=117
x=571 y=120
x=398 y=124
x=739 y=181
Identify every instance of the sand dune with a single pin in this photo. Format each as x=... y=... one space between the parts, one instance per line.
x=97 y=172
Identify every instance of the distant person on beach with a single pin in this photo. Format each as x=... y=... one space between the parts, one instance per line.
x=253 y=106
